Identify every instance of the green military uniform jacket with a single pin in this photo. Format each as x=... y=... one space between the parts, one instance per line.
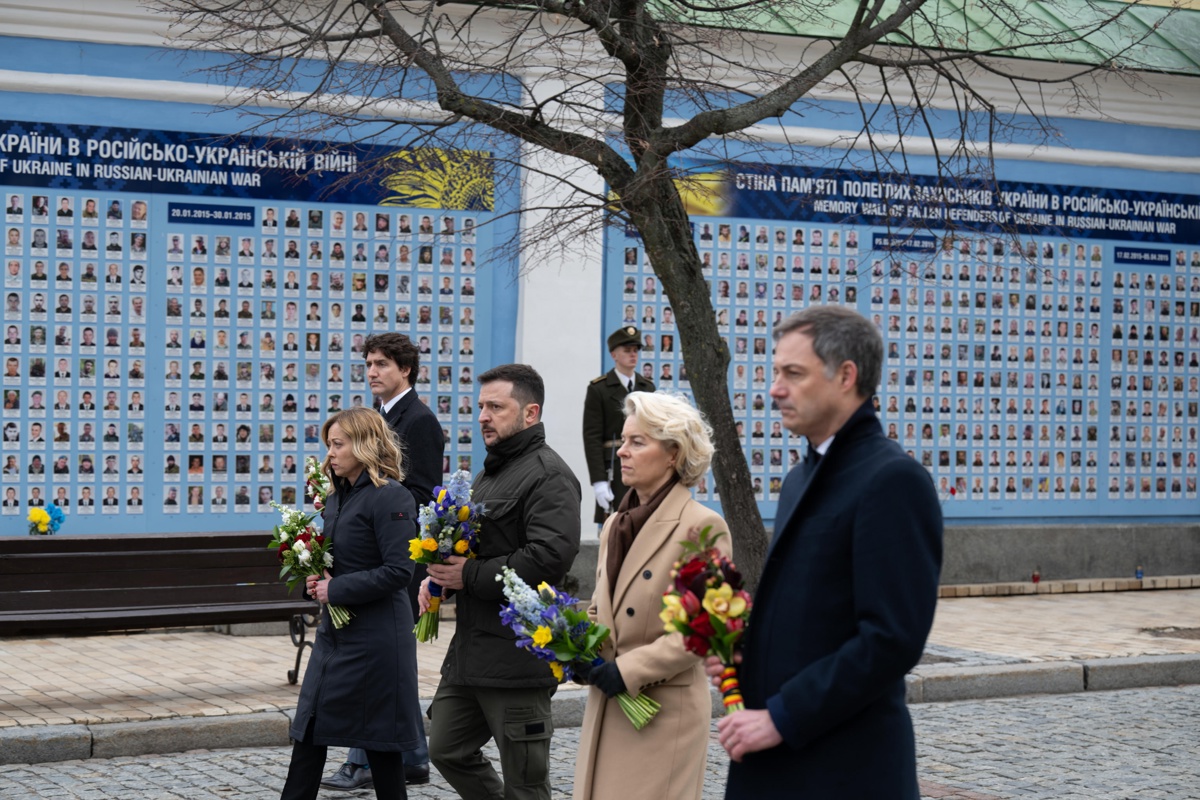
x=603 y=419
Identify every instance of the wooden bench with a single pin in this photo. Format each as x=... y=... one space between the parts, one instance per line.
x=84 y=584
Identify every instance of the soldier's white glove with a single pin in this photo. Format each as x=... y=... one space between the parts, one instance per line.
x=604 y=493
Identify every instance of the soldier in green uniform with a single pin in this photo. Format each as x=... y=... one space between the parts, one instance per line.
x=604 y=417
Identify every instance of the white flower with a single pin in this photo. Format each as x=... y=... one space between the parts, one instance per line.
x=328 y=559
x=283 y=536
x=304 y=557
x=299 y=547
x=525 y=600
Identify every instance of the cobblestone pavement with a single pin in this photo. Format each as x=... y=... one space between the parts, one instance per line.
x=1099 y=746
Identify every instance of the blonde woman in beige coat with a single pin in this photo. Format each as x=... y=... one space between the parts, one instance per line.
x=666 y=450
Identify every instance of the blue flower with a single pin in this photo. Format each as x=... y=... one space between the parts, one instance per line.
x=56 y=517
x=458 y=487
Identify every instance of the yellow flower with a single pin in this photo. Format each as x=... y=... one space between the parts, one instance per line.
x=429 y=545
x=39 y=516
x=722 y=604
x=557 y=669
x=441 y=495
x=464 y=513
x=542 y=636
x=672 y=612
x=461 y=546
x=43 y=527
x=546 y=591
x=415 y=548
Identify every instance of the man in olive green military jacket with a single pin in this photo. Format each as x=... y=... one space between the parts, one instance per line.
x=604 y=417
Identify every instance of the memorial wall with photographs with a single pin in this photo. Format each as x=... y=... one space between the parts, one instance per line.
x=182 y=312
x=1041 y=353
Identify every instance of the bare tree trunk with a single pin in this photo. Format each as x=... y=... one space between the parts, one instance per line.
x=657 y=211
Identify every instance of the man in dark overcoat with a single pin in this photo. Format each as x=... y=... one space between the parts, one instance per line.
x=604 y=417
x=392 y=362
x=847 y=594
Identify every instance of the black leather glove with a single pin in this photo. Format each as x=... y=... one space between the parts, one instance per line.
x=607 y=678
x=582 y=672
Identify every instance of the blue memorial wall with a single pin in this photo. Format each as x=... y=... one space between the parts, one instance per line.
x=183 y=310
x=1042 y=341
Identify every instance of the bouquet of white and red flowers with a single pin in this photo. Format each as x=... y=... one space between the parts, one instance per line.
x=448 y=526
x=303 y=549
x=549 y=624
x=316 y=482
x=707 y=604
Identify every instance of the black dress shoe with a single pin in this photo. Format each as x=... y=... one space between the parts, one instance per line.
x=416 y=774
x=351 y=776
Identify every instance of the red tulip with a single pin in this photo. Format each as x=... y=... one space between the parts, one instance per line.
x=702 y=625
x=690 y=603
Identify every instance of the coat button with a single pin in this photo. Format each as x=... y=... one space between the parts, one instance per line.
x=629 y=612
x=647 y=574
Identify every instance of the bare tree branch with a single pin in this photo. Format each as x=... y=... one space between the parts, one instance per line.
x=621 y=89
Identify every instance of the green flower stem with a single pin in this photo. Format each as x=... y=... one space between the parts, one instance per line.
x=638 y=710
x=426 y=628
x=339 y=615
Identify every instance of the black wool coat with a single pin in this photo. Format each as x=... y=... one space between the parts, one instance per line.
x=841 y=614
x=422 y=442
x=360 y=685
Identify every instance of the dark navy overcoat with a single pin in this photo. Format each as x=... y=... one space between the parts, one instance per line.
x=360 y=683
x=841 y=614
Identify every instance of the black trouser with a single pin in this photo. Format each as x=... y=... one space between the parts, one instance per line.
x=308 y=762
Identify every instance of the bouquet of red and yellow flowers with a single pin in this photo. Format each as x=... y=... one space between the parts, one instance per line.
x=549 y=624
x=448 y=526
x=707 y=604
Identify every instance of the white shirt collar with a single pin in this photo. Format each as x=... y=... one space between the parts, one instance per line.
x=823 y=447
x=625 y=379
x=386 y=407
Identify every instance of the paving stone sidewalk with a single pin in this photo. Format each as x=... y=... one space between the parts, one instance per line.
x=145 y=692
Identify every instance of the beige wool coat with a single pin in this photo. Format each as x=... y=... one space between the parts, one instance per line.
x=665 y=760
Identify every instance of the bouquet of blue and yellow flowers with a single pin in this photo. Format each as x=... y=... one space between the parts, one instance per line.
x=448 y=526
x=45 y=521
x=549 y=624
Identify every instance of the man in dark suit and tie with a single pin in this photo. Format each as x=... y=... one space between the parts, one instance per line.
x=847 y=594
x=392 y=364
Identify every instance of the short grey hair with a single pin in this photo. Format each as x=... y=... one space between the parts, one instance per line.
x=675 y=422
x=838 y=335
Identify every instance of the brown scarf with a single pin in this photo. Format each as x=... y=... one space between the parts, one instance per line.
x=631 y=516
